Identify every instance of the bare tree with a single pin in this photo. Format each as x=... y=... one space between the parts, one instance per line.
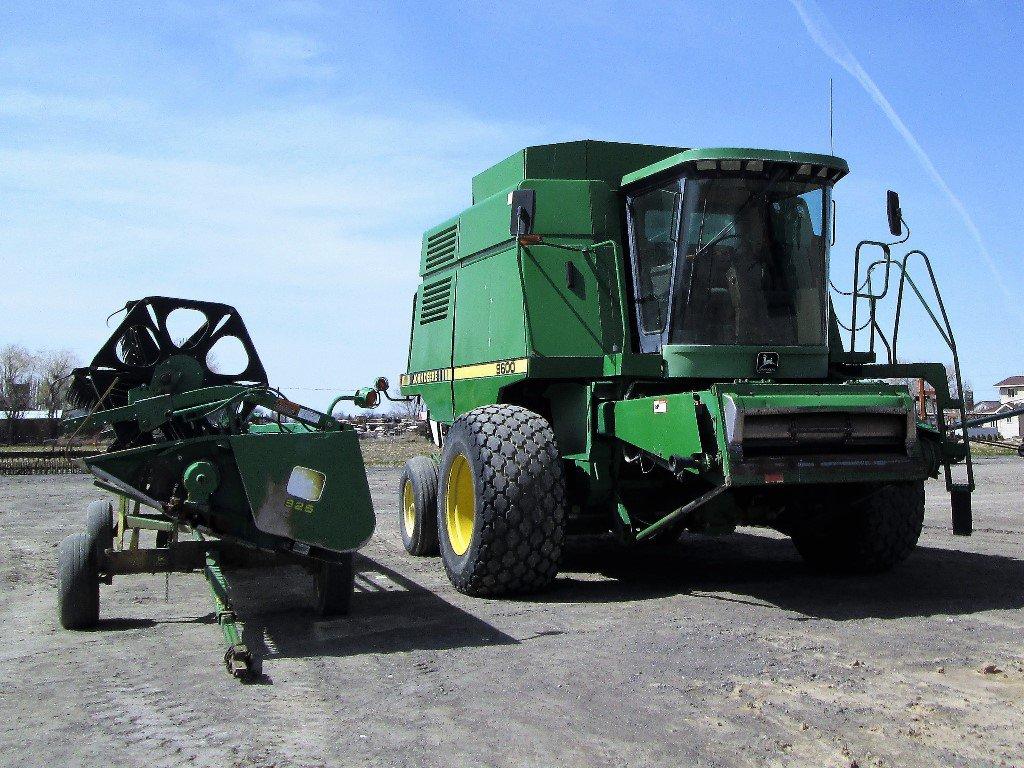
x=405 y=409
x=951 y=378
x=17 y=385
x=54 y=371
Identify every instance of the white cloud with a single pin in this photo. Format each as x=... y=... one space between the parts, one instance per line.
x=309 y=220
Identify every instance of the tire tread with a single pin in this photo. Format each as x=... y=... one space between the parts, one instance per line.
x=522 y=503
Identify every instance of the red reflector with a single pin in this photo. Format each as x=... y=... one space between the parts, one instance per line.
x=774 y=478
x=530 y=239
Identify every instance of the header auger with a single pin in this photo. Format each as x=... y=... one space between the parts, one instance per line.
x=641 y=340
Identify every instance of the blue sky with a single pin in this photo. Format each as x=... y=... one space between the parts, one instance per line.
x=285 y=157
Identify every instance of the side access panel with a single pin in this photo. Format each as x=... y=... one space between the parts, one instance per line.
x=573 y=299
x=490 y=349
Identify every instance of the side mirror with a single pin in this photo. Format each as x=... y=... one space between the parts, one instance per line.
x=892 y=205
x=523 y=203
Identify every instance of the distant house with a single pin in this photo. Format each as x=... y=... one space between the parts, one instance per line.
x=1011 y=396
x=984 y=408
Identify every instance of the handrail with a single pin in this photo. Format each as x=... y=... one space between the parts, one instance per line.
x=857 y=286
x=944 y=328
x=620 y=286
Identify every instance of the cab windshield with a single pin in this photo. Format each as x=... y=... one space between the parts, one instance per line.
x=730 y=260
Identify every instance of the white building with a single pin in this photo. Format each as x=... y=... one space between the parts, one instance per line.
x=1011 y=395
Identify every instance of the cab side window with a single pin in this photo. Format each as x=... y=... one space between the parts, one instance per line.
x=654 y=218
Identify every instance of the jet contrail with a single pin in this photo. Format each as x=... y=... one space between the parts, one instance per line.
x=828 y=40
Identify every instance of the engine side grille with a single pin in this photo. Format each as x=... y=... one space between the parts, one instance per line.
x=441 y=248
x=435 y=300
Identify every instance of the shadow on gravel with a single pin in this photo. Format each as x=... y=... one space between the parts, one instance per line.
x=762 y=570
x=390 y=614
x=121 y=624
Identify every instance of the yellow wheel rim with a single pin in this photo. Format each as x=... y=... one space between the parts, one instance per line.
x=460 y=504
x=409 y=507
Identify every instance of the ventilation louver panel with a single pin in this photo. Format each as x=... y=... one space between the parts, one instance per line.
x=434 y=304
x=441 y=248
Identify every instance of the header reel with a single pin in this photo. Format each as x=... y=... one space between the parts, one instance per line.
x=164 y=346
x=143 y=351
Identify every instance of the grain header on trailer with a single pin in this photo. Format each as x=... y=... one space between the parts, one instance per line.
x=208 y=463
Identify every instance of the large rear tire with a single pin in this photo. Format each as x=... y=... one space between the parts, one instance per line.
x=869 y=530
x=78 y=583
x=502 y=502
x=417 y=498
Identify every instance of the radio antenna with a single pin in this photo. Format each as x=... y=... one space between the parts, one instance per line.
x=831 y=143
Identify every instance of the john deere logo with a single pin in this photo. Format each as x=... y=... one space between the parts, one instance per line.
x=767 y=362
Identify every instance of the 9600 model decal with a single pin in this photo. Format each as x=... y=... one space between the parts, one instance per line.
x=481 y=371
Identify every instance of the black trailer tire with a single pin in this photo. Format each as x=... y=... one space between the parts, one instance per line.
x=875 y=531
x=502 y=502
x=78 y=583
x=334 y=585
x=417 y=512
x=99 y=527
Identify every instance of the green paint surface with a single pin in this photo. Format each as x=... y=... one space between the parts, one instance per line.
x=276 y=471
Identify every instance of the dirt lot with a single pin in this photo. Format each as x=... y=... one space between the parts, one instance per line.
x=718 y=652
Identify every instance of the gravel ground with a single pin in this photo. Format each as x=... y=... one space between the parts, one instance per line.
x=718 y=652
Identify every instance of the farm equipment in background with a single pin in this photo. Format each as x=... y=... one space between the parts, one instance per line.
x=641 y=340
x=212 y=463
x=979 y=421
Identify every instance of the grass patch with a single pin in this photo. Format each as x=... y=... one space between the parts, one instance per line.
x=382 y=452
x=983 y=449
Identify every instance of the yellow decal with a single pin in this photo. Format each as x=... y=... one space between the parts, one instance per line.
x=298 y=505
x=487 y=370
x=305 y=483
x=479 y=371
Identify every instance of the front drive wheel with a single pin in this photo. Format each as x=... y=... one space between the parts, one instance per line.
x=867 y=530
x=501 y=503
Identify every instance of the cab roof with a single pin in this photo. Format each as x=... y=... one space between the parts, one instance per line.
x=828 y=167
x=587 y=160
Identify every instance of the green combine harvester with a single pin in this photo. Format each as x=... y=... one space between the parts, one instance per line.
x=211 y=463
x=642 y=340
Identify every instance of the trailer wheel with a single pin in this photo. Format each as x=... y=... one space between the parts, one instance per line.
x=334 y=585
x=78 y=583
x=99 y=527
x=417 y=519
x=501 y=504
x=872 y=533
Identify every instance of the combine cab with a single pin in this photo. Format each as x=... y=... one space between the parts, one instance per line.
x=641 y=339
